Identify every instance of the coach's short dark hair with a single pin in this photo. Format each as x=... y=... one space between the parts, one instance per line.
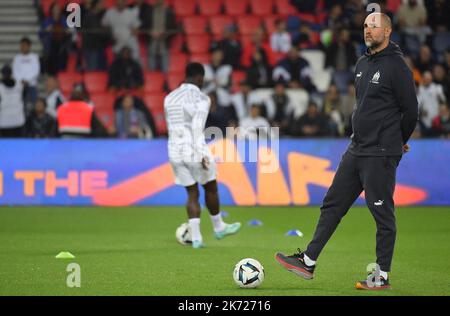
x=194 y=69
x=25 y=40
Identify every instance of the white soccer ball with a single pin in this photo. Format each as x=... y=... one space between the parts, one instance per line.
x=248 y=273
x=183 y=234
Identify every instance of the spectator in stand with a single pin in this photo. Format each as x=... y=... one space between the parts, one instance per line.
x=231 y=47
x=254 y=125
x=95 y=37
x=56 y=39
x=54 y=97
x=39 y=123
x=280 y=40
x=311 y=124
x=140 y=105
x=259 y=74
x=12 y=113
x=341 y=57
x=77 y=119
x=81 y=87
x=125 y=72
x=280 y=108
x=412 y=20
x=332 y=108
x=438 y=15
x=442 y=78
x=218 y=77
x=295 y=70
x=124 y=24
x=305 y=6
x=160 y=26
x=217 y=116
x=243 y=100
x=26 y=69
x=336 y=18
x=425 y=60
x=417 y=75
x=131 y=122
x=348 y=102
x=258 y=43
x=441 y=123
x=305 y=38
x=447 y=60
x=430 y=95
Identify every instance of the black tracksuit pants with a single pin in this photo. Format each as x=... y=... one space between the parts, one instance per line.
x=374 y=175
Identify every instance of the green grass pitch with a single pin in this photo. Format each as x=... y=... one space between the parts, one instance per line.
x=133 y=251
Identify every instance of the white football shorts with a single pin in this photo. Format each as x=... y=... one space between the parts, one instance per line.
x=189 y=173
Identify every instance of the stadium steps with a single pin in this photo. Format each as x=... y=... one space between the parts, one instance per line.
x=18 y=18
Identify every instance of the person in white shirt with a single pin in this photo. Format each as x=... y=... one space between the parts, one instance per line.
x=12 y=115
x=429 y=95
x=280 y=40
x=26 y=69
x=254 y=125
x=54 y=97
x=124 y=24
x=218 y=77
x=186 y=109
x=244 y=99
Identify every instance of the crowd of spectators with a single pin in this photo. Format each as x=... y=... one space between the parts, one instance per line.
x=271 y=61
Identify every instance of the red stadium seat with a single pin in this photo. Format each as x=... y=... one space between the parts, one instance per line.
x=246 y=40
x=154 y=82
x=261 y=8
x=218 y=23
x=176 y=44
x=96 y=81
x=184 y=8
x=236 y=7
x=305 y=17
x=236 y=77
x=285 y=8
x=210 y=7
x=198 y=43
x=247 y=24
x=269 y=23
x=103 y=100
x=174 y=79
x=177 y=62
x=66 y=81
x=201 y=58
x=195 y=25
x=155 y=102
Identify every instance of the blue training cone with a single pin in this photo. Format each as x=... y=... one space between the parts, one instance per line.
x=294 y=232
x=255 y=222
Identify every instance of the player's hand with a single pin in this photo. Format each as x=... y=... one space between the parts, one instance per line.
x=205 y=163
x=405 y=148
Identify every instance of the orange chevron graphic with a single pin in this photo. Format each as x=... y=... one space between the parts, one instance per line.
x=272 y=189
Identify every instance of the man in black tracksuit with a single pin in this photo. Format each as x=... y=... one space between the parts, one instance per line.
x=384 y=118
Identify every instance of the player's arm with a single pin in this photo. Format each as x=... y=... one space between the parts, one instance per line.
x=405 y=91
x=198 y=126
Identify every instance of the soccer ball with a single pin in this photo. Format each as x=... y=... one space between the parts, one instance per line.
x=248 y=273
x=183 y=234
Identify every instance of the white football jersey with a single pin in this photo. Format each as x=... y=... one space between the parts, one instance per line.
x=186 y=110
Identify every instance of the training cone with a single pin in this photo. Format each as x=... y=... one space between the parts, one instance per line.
x=255 y=222
x=294 y=232
x=64 y=255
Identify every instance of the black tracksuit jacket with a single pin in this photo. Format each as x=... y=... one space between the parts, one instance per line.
x=386 y=110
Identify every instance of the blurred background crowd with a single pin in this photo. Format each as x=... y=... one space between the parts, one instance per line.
x=281 y=63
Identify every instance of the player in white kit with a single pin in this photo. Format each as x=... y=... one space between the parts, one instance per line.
x=186 y=109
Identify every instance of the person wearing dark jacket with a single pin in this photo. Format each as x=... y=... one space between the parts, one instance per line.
x=384 y=118
x=125 y=72
x=39 y=123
